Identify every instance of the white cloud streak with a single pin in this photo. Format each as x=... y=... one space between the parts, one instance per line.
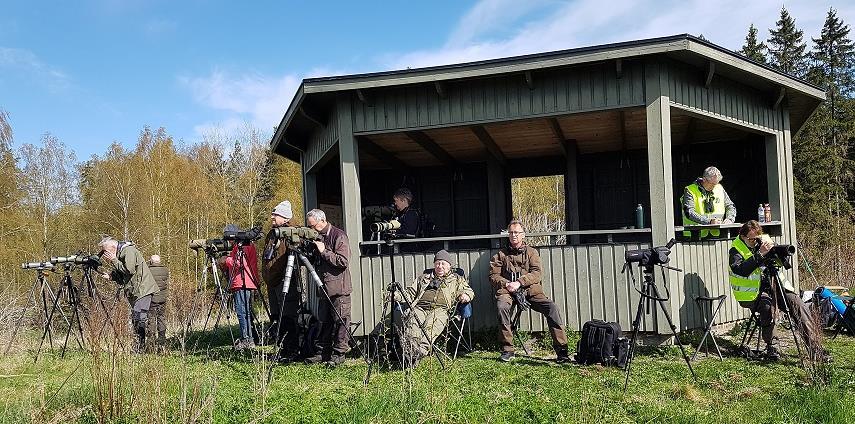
x=591 y=22
x=26 y=64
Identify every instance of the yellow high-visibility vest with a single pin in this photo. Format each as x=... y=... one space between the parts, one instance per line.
x=745 y=289
x=700 y=197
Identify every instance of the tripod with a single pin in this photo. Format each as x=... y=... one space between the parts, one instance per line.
x=255 y=325
x=521 y=305
x=392 y=330
x=66 y=285
x=650 y=293
x=220 y=298
x=92 y=290
x=776 y=290
x=41 y=285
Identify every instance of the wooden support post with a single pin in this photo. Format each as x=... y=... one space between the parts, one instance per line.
x=351 y=202
x=496 y=182
x=571 y=190
x=662 y=213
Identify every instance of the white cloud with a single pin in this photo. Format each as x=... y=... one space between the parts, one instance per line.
x=255 y=98
x=27 y=65
x=590 y=22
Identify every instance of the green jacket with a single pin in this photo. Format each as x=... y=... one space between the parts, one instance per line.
x=443 y=294
x=133 y=274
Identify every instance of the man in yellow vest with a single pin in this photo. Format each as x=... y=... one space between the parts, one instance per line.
x=705 y=202
x=750 y=289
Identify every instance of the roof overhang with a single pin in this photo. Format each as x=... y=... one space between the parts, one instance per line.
x=683 y=47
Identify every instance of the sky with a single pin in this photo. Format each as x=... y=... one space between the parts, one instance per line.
x=94 y=72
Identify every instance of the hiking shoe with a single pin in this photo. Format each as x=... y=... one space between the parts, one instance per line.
x=772 y=353
x=335 y=360
x=315 y=359
x=506 y=356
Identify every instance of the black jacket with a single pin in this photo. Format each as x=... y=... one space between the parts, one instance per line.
x=409 y=219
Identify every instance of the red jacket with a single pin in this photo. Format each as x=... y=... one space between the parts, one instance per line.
x=248 y=278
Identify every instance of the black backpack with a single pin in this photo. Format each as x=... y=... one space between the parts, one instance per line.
x=602 y=343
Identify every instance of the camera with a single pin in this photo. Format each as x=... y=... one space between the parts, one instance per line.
x=247 y=236
x=80 y=259
x=392 y=225
x=650 y=257
x=212 y=246
x=37 y=265
x=780 y=255
x=377 y=213
x=294 y=235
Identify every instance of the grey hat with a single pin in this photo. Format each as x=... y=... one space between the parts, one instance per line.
x=283 y=209
x=443 y=255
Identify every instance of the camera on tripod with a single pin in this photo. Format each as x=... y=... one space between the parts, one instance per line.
x=385 y=226
x=240 y=236
x=92 y=261
x=779 y=256
x=296 y=235
x=37 y=265
x=648 y=258
x=213 y=247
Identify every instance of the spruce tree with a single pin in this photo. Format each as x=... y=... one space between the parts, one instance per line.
x=754 y=49
x=786 y=46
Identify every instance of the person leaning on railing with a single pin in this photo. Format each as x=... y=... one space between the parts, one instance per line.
x=705 y=202
x=518 y=267
x=752 y=291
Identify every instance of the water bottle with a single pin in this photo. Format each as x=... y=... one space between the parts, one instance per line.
x=767 y=213
x=639 y=216
x=761 y=213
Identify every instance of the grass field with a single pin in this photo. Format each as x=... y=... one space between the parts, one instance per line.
x=221 y=386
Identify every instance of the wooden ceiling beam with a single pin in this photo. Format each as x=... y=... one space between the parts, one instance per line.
x=431 y=147
x=487 y=140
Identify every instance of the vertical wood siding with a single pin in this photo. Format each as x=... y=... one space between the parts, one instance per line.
x=321 y=142
x=584 y=281
x=726 y=99
x=506 y=97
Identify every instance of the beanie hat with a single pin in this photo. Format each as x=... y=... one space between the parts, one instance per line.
x=443 y=255
x=283 y=209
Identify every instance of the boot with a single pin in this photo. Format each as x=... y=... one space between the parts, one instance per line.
x=335 y=360
x=562 y=356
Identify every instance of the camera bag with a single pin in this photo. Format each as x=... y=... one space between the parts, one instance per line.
x=602 y=343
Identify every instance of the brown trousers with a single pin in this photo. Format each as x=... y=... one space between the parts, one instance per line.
x=539 y=303
x=333 y=337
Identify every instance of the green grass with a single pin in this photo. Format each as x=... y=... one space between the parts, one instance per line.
x=220 y=386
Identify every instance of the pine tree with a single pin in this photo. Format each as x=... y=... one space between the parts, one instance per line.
x=753 y=49
x=786 y=46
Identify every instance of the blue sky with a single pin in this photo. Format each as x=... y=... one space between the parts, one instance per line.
x=94 y=72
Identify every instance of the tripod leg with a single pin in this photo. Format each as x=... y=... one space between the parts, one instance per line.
x=31 y=303
x=314 y=275
x=636 y=324
x=674 y=331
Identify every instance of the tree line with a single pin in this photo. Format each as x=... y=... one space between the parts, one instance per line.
x=823 y=151
x=161 y=193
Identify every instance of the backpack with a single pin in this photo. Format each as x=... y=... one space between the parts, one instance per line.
x=602 y=343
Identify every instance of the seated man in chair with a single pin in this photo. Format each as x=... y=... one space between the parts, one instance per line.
x=517 y=268
x=433 y=296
